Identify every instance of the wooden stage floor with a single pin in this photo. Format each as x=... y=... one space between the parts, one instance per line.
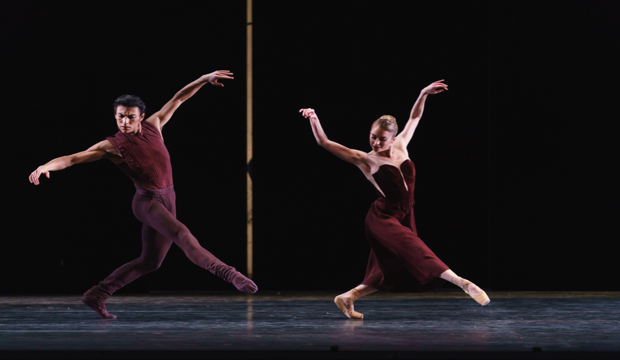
x=442 y=324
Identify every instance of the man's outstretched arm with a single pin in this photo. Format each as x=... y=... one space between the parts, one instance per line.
x=101 y=150
x=160 y=118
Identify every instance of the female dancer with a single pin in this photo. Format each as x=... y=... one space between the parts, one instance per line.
x=399 y=261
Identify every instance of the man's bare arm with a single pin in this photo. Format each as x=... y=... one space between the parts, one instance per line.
x=101 y=150
x=160 y=118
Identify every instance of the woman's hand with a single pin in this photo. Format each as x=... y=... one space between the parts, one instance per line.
x=213 y=77
x=435 y=88
x=34 y=176
x=309 y=113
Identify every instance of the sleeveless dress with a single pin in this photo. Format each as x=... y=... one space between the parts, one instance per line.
x=399 y=260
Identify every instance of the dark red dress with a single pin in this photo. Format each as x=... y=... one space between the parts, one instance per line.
x=399 y=260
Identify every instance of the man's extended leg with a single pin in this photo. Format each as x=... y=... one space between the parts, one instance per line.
x=155 y=246
x=160 y=214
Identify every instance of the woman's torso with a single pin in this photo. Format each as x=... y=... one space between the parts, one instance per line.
x=393 y=178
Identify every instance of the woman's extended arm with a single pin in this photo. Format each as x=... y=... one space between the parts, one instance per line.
x=355 y=157
x=418 y=108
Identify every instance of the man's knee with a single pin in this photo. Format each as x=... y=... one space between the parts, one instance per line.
x=183 y=235
x=151 y=265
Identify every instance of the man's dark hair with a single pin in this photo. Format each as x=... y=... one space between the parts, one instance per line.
x=130 y=101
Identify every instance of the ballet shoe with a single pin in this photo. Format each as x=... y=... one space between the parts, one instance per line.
x=96 y=301
x=244 y=284
x=481 y=298
x=351 y=296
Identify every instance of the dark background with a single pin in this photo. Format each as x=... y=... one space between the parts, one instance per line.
x=514 y=189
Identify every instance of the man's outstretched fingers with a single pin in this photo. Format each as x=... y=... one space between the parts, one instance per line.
x=33 y=177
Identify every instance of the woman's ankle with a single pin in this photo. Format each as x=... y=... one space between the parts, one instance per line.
x=363 y=290
x=450 y=276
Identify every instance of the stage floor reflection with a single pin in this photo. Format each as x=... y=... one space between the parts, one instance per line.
x=442 y=321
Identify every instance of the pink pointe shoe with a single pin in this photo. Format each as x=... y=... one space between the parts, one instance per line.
x=481 y=297
x=345 y=304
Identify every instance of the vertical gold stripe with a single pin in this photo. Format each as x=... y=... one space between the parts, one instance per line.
x=249 y=145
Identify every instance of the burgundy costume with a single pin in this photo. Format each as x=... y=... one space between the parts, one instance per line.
x=147 y=162
x=399 y=260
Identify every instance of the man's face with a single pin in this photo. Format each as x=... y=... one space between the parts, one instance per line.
x=128 y=119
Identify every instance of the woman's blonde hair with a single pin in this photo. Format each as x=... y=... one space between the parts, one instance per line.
x=388 y=123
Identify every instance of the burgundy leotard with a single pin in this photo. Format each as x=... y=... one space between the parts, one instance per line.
x=147 y=162
x=145 y=157
x=399 y=260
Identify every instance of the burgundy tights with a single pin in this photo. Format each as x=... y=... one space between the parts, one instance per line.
x=157 y=211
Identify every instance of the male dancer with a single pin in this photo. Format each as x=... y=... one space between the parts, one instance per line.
x=138 y=149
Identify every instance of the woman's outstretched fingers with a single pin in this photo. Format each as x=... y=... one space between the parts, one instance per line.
x=305 y=112
x=436 y=87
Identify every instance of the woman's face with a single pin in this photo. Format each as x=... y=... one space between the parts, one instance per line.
x=380 y=139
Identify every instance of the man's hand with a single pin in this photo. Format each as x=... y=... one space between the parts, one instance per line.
x=435 y=88
x=101 y=150
x=34 y=177
x=160 y=118
x=213 y=77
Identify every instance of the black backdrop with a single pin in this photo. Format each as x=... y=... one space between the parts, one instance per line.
x=515 y=162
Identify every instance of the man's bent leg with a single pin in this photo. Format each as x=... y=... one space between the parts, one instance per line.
x=166 y=223
x=155 y=246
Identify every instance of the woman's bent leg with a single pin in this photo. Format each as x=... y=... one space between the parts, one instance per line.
x=365 y=289
x=345 y=301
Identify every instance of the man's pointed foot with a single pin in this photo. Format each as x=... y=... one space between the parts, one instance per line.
x=244 y=284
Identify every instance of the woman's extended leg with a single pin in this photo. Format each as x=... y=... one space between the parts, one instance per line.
x=469 y=287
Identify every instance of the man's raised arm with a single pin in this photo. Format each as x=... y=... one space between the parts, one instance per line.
x=101 y=150
x=160 y=118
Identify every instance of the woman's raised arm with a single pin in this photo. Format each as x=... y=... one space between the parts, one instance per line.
x=418 y=108
x=355 y=157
